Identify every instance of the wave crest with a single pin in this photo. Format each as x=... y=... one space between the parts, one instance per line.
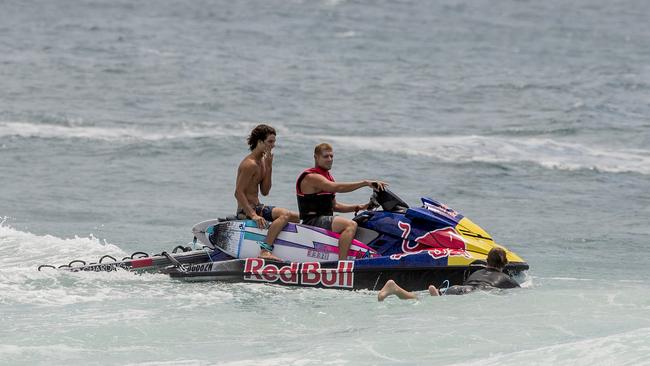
x=23 y=250
x=126 y=134
x=492 y=149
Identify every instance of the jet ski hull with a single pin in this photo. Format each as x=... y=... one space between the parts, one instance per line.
x=368 y=274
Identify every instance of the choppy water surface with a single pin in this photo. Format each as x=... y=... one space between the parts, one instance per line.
x=122 y=123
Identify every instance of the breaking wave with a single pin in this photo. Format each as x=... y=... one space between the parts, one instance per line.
x=490 y=149
x=628 y=348
x=26 y=250
x=546 y=152
x=117 y=133
x=22 y=283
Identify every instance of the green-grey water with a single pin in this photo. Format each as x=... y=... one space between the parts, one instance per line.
x=122 y=124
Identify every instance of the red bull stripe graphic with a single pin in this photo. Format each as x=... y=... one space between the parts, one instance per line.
x=144 y=262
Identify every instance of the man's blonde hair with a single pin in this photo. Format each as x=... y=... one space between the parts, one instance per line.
x=323 y=146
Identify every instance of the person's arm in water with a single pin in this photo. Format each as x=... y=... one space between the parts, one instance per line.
x=508 y=282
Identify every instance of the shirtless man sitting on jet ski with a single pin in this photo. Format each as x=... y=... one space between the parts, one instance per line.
x=490 y=277
x=254 y=175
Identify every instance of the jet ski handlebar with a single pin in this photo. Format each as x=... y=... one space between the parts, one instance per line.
x=388 y=201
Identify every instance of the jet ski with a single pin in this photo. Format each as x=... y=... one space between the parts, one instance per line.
x=416 y=247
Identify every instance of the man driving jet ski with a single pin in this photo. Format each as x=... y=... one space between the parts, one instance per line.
x=316 y=192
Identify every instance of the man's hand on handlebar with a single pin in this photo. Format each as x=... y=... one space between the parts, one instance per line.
x=358 y=208
x=377 y=185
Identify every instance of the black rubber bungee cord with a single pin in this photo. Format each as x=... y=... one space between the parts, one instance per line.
x=107 y=256
x=135 y=255
x=83 y=263
x=181 y=247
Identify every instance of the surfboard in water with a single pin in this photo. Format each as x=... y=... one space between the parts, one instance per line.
x=295 y=243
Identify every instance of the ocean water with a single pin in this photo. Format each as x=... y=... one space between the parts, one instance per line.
x=122 y=124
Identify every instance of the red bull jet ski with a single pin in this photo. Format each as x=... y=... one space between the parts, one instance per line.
x=417 y=247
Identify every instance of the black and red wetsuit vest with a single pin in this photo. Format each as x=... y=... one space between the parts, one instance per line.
x=315 y=204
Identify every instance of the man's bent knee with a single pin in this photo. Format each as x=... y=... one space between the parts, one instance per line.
x=294 y=216
x=281 y=214
x=285 y=217
x=351 y=226
x=340 y=224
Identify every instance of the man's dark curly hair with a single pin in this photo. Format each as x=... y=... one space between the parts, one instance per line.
x=261 y=132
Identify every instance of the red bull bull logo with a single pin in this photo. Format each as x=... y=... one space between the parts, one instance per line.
x=438 y=243
x=307 y=274
x=446 y=237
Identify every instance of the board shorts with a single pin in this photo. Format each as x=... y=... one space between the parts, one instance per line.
x=324 y=222
x=262 y=210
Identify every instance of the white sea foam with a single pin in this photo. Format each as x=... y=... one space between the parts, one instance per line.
x=22 y=253
x=280 y=361
x=628 y=348
x=493 y=149
x=546 y=152
x=22 y=283
x=7 y=349
x=347 y=34
x=23 y=249
x=44 y=130
x=173 y=363
x=567 y=279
